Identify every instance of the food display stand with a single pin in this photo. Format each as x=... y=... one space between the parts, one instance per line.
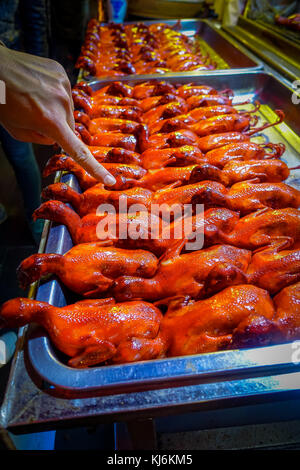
x=43 y=393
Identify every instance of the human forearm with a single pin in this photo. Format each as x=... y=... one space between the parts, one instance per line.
x=39 y=107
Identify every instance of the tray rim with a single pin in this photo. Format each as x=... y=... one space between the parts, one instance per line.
x=194 y=369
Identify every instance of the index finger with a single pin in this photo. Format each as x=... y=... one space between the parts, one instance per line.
x=72 y=145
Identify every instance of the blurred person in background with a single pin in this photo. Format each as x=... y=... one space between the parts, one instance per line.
x=228 y=11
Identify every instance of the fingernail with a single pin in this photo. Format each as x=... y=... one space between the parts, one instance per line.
x=109 y=180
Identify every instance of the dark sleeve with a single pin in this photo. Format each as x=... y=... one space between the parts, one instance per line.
x=9 y=31
x=35 y=23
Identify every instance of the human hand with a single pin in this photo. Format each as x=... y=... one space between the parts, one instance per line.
x=39 y=107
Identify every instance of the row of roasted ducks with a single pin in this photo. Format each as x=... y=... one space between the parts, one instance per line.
x=116 y=50
x=95 y=331
x=172 y=158
x=164 y=124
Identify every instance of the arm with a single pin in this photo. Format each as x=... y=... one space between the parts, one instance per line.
x=39 y=107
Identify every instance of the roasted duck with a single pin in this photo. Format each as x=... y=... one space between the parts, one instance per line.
x=89 y=268
x=175 y=120
x=207 y=325
x=244 y=197
x=257 y=330
x=248 y=196
x=284 y=264
x=92 y=332
x=242 y=151
x=192 y=90
x=142 y=229
x=125 y=174
x=145 y=231
x=115 y=50
x=195 y=274
x=107 y=124
x=272 y=171
x=89 y=201
x=159 y=178
x=106 y=139
x=178 y=156
x=287 y=304
x=262 y=228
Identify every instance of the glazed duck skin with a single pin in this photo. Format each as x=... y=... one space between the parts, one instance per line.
x=142 y=225
x=170 y=123
x=106 y=139
x=178 y=156
x=170 y=140
x=164 y=111
x=243 y=151
x=214 y=141
x=146 y=90
x=264 y=227
x=159 y=178
x=207 y=325
x=193 y=274
x=92 y=332
x=115 y=155
x=197 y=101
x=287 y=304
x=247 y=197
x=210 y=192
x=98 y=106
x=155 y=101
x=154 y=234
x=125 y=174
x=272 y=171
x=98 y=125
x=275 y=267
x=257 y=330
x=187 y=91
x=89 y=201
x=89 y=268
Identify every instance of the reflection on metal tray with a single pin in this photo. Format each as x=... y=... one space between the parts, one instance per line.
x=221 y=48
x=46 y=363
x=275 y=49
x=281 y=30
x=261 y=13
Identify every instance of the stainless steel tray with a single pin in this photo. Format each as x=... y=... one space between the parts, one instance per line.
x=47 y=364
x=222 y=48
x=279 y=51
x=250 y=14
x=282 y=31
